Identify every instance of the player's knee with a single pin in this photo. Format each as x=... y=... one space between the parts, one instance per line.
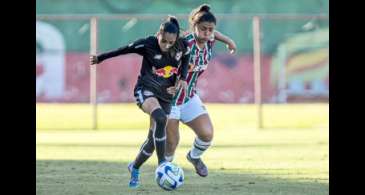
x=207 y=135
x=159 y=116
x=160 y=119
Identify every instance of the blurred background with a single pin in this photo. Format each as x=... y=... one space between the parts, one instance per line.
x=294 y=53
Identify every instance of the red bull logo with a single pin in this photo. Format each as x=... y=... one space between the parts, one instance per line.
x=166 y=71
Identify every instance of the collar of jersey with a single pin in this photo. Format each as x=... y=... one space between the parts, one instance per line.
x=197 y=46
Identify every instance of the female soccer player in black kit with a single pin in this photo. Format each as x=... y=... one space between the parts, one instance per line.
x=164 y=69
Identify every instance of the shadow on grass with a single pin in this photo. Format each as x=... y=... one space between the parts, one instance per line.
x=253 y=145
x=103 y=128
x=70 y=177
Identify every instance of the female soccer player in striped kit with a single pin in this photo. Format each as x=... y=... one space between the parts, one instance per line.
x=165 y=63
x=187 y=106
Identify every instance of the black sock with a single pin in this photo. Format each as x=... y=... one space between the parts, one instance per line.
x=146 y=151
x=159 y=135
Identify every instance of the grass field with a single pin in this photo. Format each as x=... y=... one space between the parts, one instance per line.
x=289 y=157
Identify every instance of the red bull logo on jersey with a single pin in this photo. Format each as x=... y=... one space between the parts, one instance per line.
x=166 y=71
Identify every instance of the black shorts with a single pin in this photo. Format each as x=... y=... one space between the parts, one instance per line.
x=141 y=94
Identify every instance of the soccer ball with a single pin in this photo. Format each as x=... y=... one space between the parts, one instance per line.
x=169 y=176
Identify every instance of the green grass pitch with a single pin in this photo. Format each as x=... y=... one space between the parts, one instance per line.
x=288 y=157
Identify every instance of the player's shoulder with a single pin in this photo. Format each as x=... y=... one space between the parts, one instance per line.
x=189 y=36
x=183 y=45
x=151 y=40
x=211 y=41
x=183 y=40
x=146 y=42
x=212 y=38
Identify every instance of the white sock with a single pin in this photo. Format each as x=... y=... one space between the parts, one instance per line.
x=198 y=148
x=169 y=158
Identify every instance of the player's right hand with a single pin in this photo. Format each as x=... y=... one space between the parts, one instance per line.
x=182 y=84
x=93 y=60
x=232 y=47
x=171 y=90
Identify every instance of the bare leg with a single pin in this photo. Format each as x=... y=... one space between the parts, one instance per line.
x=173 y=137
x=203 y=127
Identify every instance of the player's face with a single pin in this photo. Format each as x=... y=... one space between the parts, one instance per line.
x=166 y=40
x=204 y=30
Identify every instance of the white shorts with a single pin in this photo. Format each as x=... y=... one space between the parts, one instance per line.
x=188 y=111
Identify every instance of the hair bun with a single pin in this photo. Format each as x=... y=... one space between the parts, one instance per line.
x=205 y=8
x=173 y=20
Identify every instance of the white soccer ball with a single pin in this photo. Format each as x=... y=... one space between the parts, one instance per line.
x=169 y=176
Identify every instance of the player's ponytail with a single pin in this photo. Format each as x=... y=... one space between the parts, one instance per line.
x=173 y=20
x=201 y=14
x=171 y=25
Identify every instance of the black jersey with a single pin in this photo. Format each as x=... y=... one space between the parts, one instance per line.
x=159 y=70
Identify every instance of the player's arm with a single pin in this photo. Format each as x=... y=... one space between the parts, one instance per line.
x=184 y=69
x=185 y=64
x=135 y=47
x=225 y=39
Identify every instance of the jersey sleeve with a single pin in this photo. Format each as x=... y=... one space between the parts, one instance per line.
x=185 y=61
x=137 y=46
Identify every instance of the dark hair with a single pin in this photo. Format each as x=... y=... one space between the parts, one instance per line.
x=171 y=25
x=201 y=14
